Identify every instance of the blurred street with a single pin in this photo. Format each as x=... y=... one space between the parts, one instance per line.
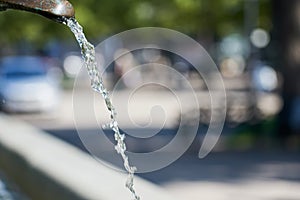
x=253 y=175
x=172 y=67
x=225 y=176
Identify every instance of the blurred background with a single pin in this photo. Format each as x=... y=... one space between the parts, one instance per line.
x=256 y=46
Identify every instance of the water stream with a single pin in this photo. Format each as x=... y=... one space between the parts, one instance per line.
x=89 y=58
x=4 y=192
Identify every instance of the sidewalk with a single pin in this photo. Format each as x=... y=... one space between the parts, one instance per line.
x=233 y=176
x=245 y=190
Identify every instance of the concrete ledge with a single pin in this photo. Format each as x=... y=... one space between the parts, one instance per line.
x=46 y=168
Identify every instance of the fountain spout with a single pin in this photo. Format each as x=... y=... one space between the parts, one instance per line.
x=56 y=10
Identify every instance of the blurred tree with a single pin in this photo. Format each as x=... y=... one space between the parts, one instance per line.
x=287 y=34
x=106 y=17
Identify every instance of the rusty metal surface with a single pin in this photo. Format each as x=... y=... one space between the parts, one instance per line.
x=48 y=8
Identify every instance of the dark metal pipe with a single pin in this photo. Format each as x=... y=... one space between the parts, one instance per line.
x=56 y=10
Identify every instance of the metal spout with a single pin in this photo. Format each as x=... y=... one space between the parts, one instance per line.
x=56 y=10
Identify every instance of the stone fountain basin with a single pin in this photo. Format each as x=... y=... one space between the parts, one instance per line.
x=47 y=168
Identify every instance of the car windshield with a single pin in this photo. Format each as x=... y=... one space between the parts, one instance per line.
x=20 y=67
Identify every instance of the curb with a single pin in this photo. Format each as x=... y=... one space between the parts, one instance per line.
x=47 y=168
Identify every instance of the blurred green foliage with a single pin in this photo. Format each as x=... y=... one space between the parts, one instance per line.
x=106 y=17
x=255 y=135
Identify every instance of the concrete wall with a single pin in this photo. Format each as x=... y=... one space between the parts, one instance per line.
x=46 y=168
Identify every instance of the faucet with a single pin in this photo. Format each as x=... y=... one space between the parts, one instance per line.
x=56 y=10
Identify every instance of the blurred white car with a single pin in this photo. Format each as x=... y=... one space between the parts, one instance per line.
x=27 y=85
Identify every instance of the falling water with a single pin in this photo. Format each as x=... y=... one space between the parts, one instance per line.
x=5 y=194
x=88 y=55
